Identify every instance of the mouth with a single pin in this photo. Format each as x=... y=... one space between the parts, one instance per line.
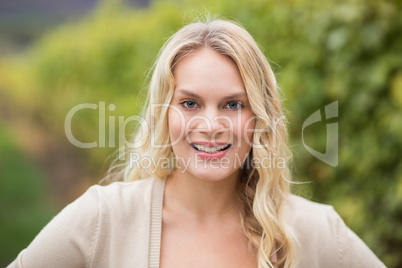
x=209 y=149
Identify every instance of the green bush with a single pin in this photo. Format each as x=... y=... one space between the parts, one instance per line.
x=20 y=180
x=322 y=51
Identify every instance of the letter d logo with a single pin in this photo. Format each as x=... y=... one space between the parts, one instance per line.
x=331 y=149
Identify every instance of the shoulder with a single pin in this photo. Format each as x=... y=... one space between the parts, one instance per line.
x=123 y=217
x=124 y=190
x=124 y=197
x=301 y=205
x=95 y=229
x=308 y=213
x=323 y=238
x=312 y=223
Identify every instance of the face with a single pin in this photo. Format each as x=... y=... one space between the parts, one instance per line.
x=210 y=119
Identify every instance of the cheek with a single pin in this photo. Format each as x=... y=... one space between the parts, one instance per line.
x=247 y=129
x=176 y=126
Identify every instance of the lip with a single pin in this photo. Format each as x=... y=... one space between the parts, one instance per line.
x=209 y=156
x=210 y=144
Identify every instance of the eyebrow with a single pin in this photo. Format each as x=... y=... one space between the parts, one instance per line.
x=232 y=96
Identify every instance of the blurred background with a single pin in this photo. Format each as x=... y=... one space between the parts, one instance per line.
x=55 y=55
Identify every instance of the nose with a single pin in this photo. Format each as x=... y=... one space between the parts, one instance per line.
x=211 y=122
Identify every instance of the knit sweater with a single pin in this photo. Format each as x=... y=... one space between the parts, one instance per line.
x=120 y=225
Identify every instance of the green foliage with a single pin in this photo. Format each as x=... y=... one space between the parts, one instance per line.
x=322 y=51
x=20 y=180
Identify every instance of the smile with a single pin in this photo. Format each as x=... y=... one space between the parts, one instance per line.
x=210 y=150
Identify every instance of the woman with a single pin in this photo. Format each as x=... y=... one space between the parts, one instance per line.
x=205 y=197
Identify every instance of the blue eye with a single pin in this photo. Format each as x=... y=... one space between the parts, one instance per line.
x=189 y=104
x=234 y=105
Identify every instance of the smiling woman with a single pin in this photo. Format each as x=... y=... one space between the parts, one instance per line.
x=218 y=120
x=214 y=113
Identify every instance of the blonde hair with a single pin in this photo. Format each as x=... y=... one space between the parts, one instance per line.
x=263 y=191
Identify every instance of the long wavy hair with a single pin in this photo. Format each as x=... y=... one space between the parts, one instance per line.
x=262 y=190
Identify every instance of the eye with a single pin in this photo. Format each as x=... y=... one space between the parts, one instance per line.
x=189 y=104
x=233 y=105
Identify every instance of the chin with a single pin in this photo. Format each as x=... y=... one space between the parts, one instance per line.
x=214 y=174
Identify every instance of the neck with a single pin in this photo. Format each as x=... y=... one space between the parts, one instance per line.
x=200 y=198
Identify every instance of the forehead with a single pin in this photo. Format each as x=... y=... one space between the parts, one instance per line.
x=207 y=73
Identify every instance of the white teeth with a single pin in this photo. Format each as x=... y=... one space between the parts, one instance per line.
x=210 y=150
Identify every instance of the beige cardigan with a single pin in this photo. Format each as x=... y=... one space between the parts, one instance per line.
x=120 y=226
